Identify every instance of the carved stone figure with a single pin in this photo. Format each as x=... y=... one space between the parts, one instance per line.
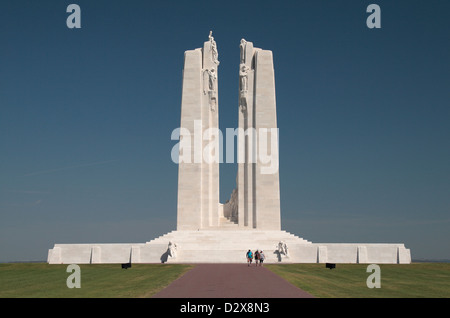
x=243 y=87
x=283 y=249
x=209 y=86
x=172 y=250
x=212 y=100
x=212 y=79
x=243 y=103
x=243 y=76
x=214 y=51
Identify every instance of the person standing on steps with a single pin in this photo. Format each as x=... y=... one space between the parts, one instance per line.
x=249 y=256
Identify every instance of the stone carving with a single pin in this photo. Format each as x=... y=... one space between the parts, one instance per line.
x=210 y=87
x=283 y=249
x=209 y=78
x=243 y=103
x=214 y=51
x=243 y=86
x=172 y=250
x=243 y=76
x=242 y=48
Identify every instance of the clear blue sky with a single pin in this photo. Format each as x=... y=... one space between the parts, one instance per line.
x=86 y=117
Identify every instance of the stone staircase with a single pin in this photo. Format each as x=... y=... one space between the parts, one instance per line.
x=226 y=243
x=216 y=245
x=227 y=224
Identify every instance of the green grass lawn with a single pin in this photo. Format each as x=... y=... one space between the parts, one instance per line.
x=429 y=280
x=36 y=280
x=40 y=280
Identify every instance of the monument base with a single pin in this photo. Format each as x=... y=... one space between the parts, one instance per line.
x=228 y=246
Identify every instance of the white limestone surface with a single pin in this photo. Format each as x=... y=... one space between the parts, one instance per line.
x=229 y=246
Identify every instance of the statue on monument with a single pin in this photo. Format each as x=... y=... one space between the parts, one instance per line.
x=209 y=85
x=243 y=75
x=243 y=86
x=215 y=53
x=243 y=78
x=283 y=249
x=212 y=77
x=172 y=250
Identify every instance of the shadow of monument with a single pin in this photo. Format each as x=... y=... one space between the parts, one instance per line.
x=164 y=257
x=278 y=253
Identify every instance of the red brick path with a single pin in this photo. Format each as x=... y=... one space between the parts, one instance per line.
x=231 y=281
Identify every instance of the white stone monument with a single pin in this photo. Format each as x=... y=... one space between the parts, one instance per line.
x=198 y=179
x=258 y=192
x=211 y=232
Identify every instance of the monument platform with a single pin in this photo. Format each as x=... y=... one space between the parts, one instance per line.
x=228 y=246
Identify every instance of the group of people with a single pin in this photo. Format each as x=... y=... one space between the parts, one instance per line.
x=257 y=255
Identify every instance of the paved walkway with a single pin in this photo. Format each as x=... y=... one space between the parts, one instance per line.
x=231 y=281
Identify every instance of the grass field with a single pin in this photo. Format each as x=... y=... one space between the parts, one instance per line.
x=31 y=280
x=428 y=280
x=40 y=280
